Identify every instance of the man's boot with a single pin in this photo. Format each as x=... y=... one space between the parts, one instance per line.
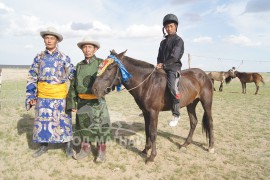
x=43 y=149
x=101 y=154
x=176 y=115
x=174 y=121
x=85 y=150
x=69 y=150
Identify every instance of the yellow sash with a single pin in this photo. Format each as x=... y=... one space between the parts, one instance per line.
x=54 y=91
x=87 y=96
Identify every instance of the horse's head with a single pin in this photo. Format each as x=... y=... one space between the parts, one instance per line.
x=108 y=77
x=231 y=73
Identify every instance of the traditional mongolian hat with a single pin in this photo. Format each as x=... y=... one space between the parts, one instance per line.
x=88 y=40
x=52 y=31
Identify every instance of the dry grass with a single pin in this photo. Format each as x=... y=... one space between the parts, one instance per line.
x=241 y=126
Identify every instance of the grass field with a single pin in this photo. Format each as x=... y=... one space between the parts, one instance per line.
x=241 y=129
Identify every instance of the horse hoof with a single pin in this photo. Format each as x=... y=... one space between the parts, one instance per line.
x=212 y=150
x=143 y=154
x=144 y=151
x=149 y=160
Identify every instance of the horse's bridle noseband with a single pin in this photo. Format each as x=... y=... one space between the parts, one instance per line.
x=109 y=89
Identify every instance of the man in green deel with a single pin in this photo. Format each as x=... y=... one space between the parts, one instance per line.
x=92 y=116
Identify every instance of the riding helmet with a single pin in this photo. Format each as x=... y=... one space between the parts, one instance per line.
x=170 y=18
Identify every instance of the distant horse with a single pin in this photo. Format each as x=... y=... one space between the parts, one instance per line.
x=222 y=77
x=153 y=96
x=248 y=78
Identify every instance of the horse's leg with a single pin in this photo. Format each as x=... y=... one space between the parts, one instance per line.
x=147 y=133
x=153 y=134
x=243 y=87
x=257 y=88
x=213 y=84
x=193 y=121
x=221 y=86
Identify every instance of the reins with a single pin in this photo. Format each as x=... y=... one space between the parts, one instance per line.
x=142 y=81
x=133 y=87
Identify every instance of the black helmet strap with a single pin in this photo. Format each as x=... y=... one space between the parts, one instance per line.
x=164 y=34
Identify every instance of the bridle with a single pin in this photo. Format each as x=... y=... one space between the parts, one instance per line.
x=108 y=89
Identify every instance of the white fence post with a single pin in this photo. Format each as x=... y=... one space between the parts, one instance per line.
x=0 y=78
x=189 y=60
x=0 y=85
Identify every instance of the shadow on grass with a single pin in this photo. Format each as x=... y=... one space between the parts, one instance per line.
x=169 y=137
x=25 y=126
x=247 y=94
x=127 y=134
x=122 y=132
x=123 y=135
x=233 y=92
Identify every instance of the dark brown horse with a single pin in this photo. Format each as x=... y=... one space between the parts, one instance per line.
x=248 y=78
x=153 y=96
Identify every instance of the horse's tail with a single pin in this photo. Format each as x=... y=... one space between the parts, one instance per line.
x=206 y=125
x=262 y=80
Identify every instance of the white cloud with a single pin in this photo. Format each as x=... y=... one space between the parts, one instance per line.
x=192 y=17
x=29 y=46
x=79 y=29
x=183 y=1
x=221 y=9
x=81 y=26
x=4 y=9
x=24 y=26
x=241 y=40
x=141 y=31
x=203 y=39
x=254 y=6
x=255 y=26
x=101 y=26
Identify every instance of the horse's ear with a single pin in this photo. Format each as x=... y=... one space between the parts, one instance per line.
x=121 y=55
x=113 y=52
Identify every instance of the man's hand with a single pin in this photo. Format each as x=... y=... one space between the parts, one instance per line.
x=159 y=66
x=33 y=102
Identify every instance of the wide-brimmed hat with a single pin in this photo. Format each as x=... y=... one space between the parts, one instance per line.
x=88 y=40
x=52 y=31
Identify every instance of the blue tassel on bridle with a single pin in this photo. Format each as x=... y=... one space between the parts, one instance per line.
x=125 y=75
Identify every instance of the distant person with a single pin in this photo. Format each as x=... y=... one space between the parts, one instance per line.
x=47 y=89
x=170 y=52
x=92 y=117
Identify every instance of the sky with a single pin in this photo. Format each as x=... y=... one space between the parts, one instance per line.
x=218 y=34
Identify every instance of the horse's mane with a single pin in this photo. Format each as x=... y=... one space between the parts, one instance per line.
x=228 y=79
x=144 y=66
